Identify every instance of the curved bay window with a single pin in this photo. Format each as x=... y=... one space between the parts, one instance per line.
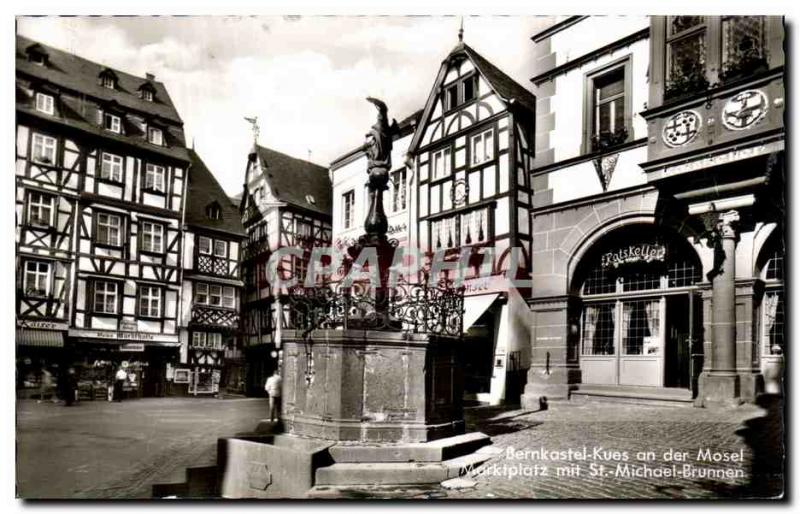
x=638 y=309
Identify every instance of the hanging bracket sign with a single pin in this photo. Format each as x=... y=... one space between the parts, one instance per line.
x=641 y=253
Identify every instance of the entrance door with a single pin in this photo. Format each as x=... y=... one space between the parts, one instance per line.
x=677 y=358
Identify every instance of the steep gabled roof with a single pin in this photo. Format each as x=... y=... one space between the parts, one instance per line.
x=76 y=73
x=508 y=89
x=294 y=181
x=203 y=190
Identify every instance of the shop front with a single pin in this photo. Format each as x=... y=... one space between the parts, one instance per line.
x=147 y=358
x=638 y=317
x=39 y=352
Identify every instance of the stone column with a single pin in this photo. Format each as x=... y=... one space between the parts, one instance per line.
x=720 y=385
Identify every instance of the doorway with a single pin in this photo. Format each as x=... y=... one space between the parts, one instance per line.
x=681 y=317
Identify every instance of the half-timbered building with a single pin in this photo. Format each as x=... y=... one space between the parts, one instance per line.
x=211 y=356
x=100 y=175
x=472 y=151
x=286 y=202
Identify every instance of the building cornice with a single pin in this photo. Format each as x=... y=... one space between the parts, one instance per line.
x=556 y=28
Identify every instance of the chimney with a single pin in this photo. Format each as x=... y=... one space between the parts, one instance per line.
x=150 y=76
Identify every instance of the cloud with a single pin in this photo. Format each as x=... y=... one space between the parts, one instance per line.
x=304 y=77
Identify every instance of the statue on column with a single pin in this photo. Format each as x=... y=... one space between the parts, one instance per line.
x=723 y=228
x=378 y=148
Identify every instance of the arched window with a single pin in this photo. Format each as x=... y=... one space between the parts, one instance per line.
x=772 y=310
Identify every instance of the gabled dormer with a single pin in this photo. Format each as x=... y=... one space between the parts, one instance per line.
x=147 y=92
x=37 y=54
x=214 y=211
x=108 y=79
x=110 y=116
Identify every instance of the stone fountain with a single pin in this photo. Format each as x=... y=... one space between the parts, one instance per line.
x=372 y=382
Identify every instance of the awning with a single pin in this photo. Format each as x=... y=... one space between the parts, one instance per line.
x=474 y=306
x=45 y=338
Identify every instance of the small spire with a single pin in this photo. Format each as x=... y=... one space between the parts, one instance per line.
x=461 y=31
x=254 y=126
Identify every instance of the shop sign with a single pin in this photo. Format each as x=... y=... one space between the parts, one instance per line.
x=642 y=253
x=132 y=347
x=723 y=158
x=40 y=325
x=120 y=335
x=128 y=326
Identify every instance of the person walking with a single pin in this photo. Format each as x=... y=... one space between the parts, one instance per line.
x=46 y=387
x=68 y=385
x=273 y=389
x=119 y=382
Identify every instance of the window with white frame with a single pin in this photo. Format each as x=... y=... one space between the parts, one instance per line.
x=207 y=340
x=399 y=189
x=154 y=178
x=215 y=296
x=220 y=248
x=440 y=163
x=105 y=297
x=483 y=147
x=204 y=245
x=112 y=122
x=45 y=103
x=36 y=280
x=152 y=235
x=44 y=149
x=201 y=294
x=155 y=135
x=111 y=167
x=348 y=209
x=150 y=301
x=147 y=94
x=41 y=208
x=228 y=297
x=109 y=229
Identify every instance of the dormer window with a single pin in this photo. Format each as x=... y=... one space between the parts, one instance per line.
x=45 y=103
x=213 y=211
x=147 y=94
x=36 y=54
x=310 y=199
x=112 y=122
x=155 y=135
x=108 y=82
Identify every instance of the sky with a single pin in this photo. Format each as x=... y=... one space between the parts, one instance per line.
x=306 y=78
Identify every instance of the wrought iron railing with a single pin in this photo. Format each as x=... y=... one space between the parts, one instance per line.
x=411 y=308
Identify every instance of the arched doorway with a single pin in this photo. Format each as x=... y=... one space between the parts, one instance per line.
x=639 y=311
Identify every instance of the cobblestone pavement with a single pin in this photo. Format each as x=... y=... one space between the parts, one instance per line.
x=751 y=432
x=118 y=450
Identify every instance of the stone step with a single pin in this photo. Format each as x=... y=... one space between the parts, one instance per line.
x=634 y=395
x=202 y=482
x=433 y=451
x=398 y=473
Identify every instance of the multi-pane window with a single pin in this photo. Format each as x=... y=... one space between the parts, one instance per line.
x=773 y=314
x=152 y=235
x=41 y=208
x=201 y=293
x=154 y=178
x=44 y=149
x=105 y=297
x=109 y=229
x=460 y=230
x=112 y=122
x=147 y=94
x=36 y=280
x=399 y=190
x=108 y=81
x=742 y=43
x=598 y=329
x=45 y=103
x=207 y=340
x=460 y=92
x=204 y=245
x=215 y=295
x=608 y=94
x=641 y=327
x=482 y=147
x=155 y=135
x=348 y=211
x=150 y=301
x=303 y=230
x=220 y=248
x=111 y=167
x=440 y=163
x=686 y=54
